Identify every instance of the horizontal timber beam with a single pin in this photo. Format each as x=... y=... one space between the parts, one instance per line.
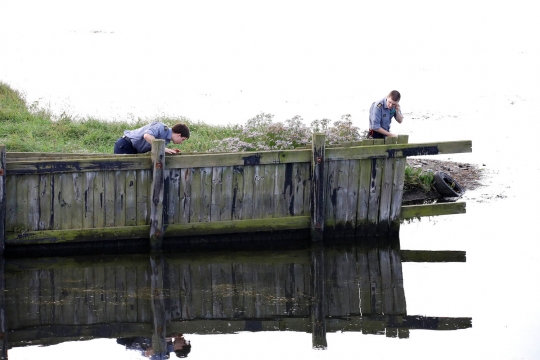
x=142 y=231
x=416 y=211
x=43 y=163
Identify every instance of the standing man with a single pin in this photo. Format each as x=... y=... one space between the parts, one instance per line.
x=381 y=113
x=140 y=140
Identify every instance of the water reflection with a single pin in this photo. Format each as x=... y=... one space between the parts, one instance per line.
x=147 y=302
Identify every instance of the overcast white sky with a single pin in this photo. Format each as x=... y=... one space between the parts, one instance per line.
x=224 y=62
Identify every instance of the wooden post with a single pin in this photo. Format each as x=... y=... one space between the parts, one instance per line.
x=3 y=322
x=2 y=197
x=158 y=186
x=318 y=306
x=317 y=188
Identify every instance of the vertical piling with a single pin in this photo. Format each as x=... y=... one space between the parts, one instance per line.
x=2 y=197
x=158 y=187
x=317 y=188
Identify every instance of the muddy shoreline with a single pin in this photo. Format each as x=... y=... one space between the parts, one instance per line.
x=469 y=176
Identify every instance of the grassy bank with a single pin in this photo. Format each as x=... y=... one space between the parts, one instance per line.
x=29 y=128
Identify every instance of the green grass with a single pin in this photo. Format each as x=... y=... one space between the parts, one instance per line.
x=417 y=178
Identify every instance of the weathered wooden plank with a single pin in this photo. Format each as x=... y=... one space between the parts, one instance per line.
x=3 y=210
x=144 y=182
x=21 y=210
x=110 y=198
x=363 y=194
x=379 y=150
x=341 y=197
x=268 y=190
x=374 y=196
x=386 y=190
x=258 y=191
x=11 y=203
x=33 y=202
x=172 y=215
x=206 y=194
x=88 y=200
x=215 y=204
x=237 y=193
x=55 y=166
x=227 y=193
x=196 y=196
x=239 y=159
x=352 y=198
x=131 y=198
x=301 y=191
x=185 y=210
x=330 y=196
x=249 y=188
x=282 y=189
x=99 y=199
x=77 y=201
x=415 y=211
x=173 y=230
x=120 y=198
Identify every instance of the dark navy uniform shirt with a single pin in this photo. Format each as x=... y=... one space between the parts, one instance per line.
x=156 y=129
x=380 y=116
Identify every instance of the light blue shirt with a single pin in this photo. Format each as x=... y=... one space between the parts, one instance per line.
x=156 y=129
x=380 y=116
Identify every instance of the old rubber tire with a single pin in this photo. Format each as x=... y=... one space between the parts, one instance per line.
x=446 y=186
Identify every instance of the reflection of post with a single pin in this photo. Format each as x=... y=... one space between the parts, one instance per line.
x=318 y=324
x=3 y=335
x=159 y=343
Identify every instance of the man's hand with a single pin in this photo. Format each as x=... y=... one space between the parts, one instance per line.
x=171 y=151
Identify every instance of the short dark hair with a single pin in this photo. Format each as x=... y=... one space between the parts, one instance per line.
x=184 y=351
x=181 y=129
x=394 y=95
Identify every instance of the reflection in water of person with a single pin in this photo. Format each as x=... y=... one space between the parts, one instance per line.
x=177 y=344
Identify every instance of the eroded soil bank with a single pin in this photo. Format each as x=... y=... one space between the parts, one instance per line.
x=469 y=176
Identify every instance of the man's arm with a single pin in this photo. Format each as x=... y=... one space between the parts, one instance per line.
x=149 y=139
x=399 y=115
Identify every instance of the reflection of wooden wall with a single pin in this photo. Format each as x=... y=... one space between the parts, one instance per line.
x=254 y=287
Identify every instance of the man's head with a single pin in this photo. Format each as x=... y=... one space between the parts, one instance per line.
x=392 y=99
x=182 y=347
x=180 y=133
